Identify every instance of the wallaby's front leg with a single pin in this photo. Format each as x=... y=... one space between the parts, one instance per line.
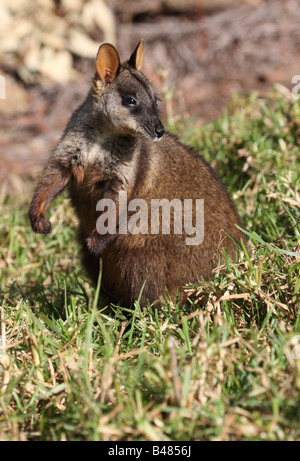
x=53 y=181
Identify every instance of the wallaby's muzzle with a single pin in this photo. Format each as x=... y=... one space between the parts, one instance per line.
x=159 y=130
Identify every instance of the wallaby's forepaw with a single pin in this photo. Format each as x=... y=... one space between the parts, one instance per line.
x=40 y=225
x=97 y=243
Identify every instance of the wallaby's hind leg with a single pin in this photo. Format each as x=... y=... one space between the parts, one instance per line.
x=53 y=181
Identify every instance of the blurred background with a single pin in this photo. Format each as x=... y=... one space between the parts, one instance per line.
x=197 y=54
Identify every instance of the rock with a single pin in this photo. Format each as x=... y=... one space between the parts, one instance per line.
x=16 y=99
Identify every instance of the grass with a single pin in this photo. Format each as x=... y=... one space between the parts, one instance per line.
x=228 y=368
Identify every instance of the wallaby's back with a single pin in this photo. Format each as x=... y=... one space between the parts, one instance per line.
x=115 y=143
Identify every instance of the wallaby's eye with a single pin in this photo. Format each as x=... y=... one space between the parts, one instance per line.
x=130 y=101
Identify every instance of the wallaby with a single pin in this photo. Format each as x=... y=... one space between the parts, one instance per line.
x=115 y=143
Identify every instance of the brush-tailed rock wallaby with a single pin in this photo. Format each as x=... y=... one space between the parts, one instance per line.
x=115 y=155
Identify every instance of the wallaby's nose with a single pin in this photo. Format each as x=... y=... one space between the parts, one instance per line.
x=159 y=131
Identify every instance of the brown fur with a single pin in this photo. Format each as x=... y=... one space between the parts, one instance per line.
x=107 y=147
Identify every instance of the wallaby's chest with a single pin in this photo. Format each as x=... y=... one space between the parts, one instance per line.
x=97 y=175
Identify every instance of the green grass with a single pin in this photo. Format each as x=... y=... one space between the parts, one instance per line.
x=224 y=369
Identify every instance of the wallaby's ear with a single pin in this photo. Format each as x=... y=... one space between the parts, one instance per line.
x=136 y=59
x=107 y=63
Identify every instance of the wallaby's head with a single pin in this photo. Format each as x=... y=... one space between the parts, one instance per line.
x=125 y=96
